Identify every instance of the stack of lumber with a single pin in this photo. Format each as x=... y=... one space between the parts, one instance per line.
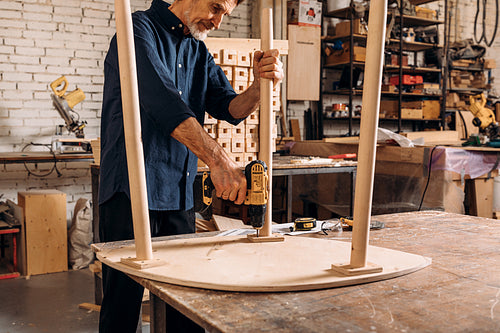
x=464 y=79
x=457 y=101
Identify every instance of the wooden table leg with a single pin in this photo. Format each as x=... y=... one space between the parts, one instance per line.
x=289 y=194
x=158 y=314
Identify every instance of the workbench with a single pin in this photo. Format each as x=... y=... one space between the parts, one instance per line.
x=43 y=157
x=281 y=167
x=459 y=292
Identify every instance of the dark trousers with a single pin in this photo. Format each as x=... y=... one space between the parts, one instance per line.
x=122 y=299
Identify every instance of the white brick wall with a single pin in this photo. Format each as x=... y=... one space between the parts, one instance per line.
x=39 y=42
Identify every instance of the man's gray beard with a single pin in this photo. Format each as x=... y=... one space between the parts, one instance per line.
x=193 y=29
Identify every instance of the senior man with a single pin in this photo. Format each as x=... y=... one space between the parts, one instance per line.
x=178 y=82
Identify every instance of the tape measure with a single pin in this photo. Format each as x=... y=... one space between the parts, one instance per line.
x=304 y=224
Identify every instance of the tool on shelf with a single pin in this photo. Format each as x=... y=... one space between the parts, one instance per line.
x=64 y=104
x=484 y=118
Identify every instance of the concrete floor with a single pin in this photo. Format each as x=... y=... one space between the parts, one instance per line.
x=49 y=303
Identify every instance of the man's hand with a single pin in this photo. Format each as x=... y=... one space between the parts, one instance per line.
x=267 y=65
x=230 y=182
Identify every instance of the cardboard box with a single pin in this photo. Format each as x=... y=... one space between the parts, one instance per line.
x=344 y=28
x=304 y=12
x=342 y=56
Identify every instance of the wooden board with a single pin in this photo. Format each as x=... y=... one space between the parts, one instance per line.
x=44 y=231
x=457 y=293
x=295 y=129
x=243 y=44
x=304 y=63
x=233 y=263
x=227 y=223
x=433 y=137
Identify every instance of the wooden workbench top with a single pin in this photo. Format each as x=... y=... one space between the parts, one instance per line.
x=20 y=157
x=459 y=292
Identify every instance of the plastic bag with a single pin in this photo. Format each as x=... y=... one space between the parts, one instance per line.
x=80 y=236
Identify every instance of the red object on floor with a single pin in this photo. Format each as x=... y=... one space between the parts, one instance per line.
x=14 y=273
x=350 y=155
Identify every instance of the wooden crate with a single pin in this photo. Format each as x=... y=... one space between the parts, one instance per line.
x=431 y=109
x=44 y=235
x=411 y=114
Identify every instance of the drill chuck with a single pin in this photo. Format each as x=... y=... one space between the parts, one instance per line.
x=257 y=214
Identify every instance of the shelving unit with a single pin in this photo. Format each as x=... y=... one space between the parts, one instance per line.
x=481 y=83
x=397 y=46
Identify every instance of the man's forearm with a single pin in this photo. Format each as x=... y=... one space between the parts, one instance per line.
x=229 y=181
x=192 y=135
x=245 y=103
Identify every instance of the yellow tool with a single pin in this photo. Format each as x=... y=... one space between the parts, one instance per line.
x=72 y=98
x=483 y=117
x=64 y=104
x=257 y=192
x=303 y=224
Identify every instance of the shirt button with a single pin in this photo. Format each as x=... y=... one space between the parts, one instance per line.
x=180 y=92
x=188 y=174
x=180 y=25
x=173 y=28
x=180 y=65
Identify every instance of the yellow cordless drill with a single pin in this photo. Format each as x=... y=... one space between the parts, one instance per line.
x=257 y=192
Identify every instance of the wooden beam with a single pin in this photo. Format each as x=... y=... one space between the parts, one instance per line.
x=266 y=115
x=368 y=132
x=132 y=129
x=243 y=44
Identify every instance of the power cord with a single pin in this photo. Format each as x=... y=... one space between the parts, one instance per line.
x=54 y=167
x=428 y=179
x=483 y=34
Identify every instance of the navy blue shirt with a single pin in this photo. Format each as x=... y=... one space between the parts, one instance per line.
x=177 y=79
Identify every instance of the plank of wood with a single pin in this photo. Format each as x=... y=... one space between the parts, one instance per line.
x=132 y=129
x=91 y=307
x=227 y=223
x=431 y=137
x=243 y=44
x=408 y=301
x=303 y=75
x=234 y=263
x=267 y=145
x=295 y=129
x=368 y=133
x=482 y=200
x=468 y=117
